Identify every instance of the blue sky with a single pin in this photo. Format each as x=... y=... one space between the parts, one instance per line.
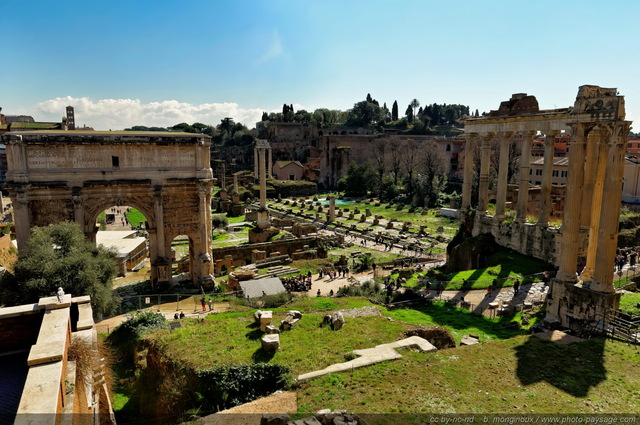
x=122 y=63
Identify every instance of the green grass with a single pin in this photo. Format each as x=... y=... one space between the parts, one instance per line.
x=232 y=338
x=460 y=322
x=510 y=266
x=135 y=217
x=516 y=376
x=238 y=219
x=629 y=303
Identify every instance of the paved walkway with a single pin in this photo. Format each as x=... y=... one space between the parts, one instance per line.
x=369 y=356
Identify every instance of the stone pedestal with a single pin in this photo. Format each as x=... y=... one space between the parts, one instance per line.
x=576 y=307
x=262 y=219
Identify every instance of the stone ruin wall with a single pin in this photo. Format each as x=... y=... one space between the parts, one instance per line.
x=242 y=254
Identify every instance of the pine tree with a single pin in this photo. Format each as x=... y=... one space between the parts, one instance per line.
x=394 y=111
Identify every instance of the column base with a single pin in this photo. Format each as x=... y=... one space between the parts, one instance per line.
x=576 y=307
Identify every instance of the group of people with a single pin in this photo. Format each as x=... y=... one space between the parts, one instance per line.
x=334 y=273
x=299 y=283
x=176 y=316
x=624 y=256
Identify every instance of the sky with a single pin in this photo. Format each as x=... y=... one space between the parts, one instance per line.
x=159 y=63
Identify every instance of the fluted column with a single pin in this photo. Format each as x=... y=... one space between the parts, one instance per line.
x=158 y=209
x=21 y=219
x=525 y=166
x=467 y=179
x=255 y=163
x=544 y=211
x=263 y=179
x=590 y=170
x=598 y=148
x=573 y=201
x=485 y=158
x=609 y=217
x=503 y=170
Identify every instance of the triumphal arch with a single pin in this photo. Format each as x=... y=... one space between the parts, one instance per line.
x=59 y=176
x=598 y=136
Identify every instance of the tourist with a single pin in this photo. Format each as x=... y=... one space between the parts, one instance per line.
x=488 y=291
x=175 y=316
x=318 y=293
x=516 y=287
x=210 y=304
x=204 y=305
x=331 y=293
x=182 y=315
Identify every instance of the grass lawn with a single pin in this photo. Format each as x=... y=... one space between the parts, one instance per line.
x=135 y=217
x=233 y=338
x=510 y=265
x=630 y=303
x=519 y=375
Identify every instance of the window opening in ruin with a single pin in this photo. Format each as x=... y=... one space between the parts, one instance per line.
x=115 y=161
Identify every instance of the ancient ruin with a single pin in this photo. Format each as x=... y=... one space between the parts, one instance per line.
x=63 y=176
x=598 y=130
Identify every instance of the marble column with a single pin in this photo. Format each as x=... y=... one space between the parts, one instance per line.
x=21 y=219
x=525 y=166
x=467 y=180
x=158 y=210
x=485 y=165
x=263 y=178
x=568 y=258
x=598 y=148
x=593 y=149
x=544 y=211
x=255 y=163
x=503 y=170
x=332 y=209
x=610 y=209
x=269 y=165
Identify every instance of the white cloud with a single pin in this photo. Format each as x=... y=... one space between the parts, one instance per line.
x=117 y=114
x=274 y=49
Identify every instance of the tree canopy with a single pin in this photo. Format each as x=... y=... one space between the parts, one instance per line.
x=59 y=256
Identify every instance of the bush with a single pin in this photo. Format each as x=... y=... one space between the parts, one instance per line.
x=125 y=337
x=227 y=386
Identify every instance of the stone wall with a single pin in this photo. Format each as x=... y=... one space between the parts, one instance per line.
x=528 y=239
x=242 y=254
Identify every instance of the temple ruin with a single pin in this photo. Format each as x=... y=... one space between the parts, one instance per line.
x=598 y=130
x=59 y=176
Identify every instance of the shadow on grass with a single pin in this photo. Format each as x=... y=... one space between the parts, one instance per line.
x=460 y=319
x=255 y=333
x=261 y=356
x=572 y=368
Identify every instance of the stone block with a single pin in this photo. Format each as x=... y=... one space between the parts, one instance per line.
x=469 y=340
x=270 y=329
x=363 y=218
x=390 y=225
x=368 y=212
x=265 y=320
x=270 y=342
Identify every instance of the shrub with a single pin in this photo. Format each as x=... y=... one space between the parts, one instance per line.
x=125 y=337
x=227 y=386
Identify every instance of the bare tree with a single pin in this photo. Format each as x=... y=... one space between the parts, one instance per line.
x=395 y=156
x=380 y=161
